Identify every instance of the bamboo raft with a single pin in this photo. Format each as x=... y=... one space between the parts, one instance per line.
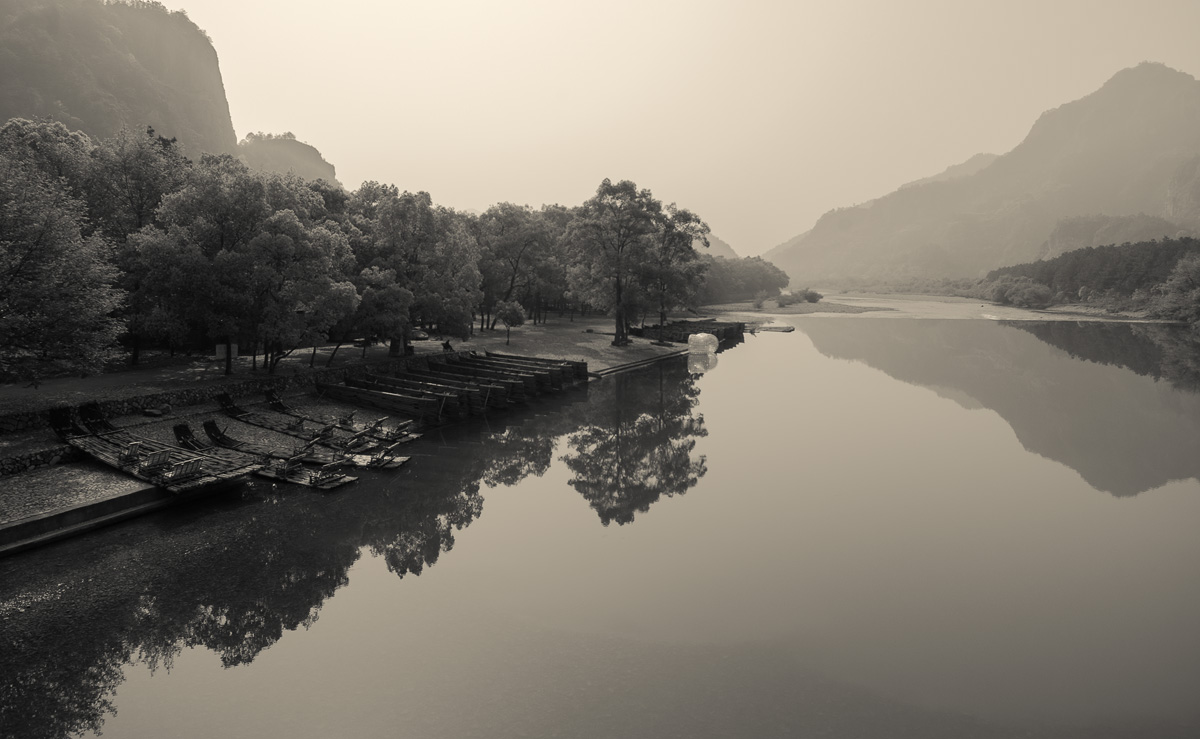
x=422 y=408
x=176 y=470
x=401 y=431
x=520 y=387
x=383 y=458
x=576 y=369
x=451 y=405
x=453 y=387
x=291 y=470
x=329 y=435
x=497 y=393
x=469 y=400
x=546 y=377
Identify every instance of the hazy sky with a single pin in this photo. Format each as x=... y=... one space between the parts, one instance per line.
x=759 y=116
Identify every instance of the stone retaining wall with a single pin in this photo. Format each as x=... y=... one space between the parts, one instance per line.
x=40 y=458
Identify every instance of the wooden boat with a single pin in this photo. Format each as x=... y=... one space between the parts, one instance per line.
x=679 y=331
x=519 y=388
x=451 y=405
x=534 y=382
x=377 y=429
x=177 y=470
x=470 y=399
x=495 y=395
x=383 y=458
x=577 y=368
x=289 y=470
x=548 y=378
x=426 y=409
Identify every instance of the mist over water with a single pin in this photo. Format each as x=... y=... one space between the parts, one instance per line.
x=894 y=528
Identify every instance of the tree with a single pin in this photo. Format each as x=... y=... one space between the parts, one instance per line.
x=1179 y=296
x=51 y=148
x=130 y=173
x=608 y=237
x=296 y=296
x=56 y=285
x=511 y=314
x=673 y=272
x=201 y=261
x=514 y=241
x=429 y=249
x=129 y=176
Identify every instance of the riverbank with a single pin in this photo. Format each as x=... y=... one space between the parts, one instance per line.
x=892 y=305
x=49 y=490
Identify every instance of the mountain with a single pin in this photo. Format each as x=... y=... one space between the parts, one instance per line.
x=283 y=154
x=717 y=248
x=1128 y=150
x=100 y=66
x=954 y=171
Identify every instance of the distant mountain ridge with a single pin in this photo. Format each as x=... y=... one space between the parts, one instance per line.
x=954 y=171
x=1129 y=152
x=717 y=247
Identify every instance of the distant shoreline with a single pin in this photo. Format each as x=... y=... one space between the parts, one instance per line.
x=896 y=305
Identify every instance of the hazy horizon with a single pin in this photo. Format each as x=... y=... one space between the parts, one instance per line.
x=758 y=116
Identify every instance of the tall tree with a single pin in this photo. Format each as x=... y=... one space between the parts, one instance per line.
x=514 y=242
x=56 y=285
x=609 y=237
x=673 y=272
x=201 y=262
x=130 y=174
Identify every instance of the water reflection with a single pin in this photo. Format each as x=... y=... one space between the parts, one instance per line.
x=1107 y=417
x=233 y=576
x=637 y=445
x=1164 y=352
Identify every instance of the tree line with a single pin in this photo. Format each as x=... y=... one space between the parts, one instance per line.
x=127 y=240
x=1161 y=277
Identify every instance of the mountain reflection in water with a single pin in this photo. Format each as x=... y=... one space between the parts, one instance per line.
x=233 y=576
x=1127 y=419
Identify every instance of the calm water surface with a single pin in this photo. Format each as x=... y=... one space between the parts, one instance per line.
x=866 y=528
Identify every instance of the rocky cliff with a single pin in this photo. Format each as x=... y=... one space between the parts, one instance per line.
x=100 y=66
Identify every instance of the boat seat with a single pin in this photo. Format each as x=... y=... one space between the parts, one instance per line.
x=287 y=466
x=131 y=453
x=183 y=470
x=154 y=460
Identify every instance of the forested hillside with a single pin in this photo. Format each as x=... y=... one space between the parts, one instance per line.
x=99 y=66
x=1153 y=275
x=282 y=153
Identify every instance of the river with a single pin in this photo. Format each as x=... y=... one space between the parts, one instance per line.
x=869 y=527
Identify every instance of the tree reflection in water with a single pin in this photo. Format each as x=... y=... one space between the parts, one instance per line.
x=235 y=577
x=637 y=445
